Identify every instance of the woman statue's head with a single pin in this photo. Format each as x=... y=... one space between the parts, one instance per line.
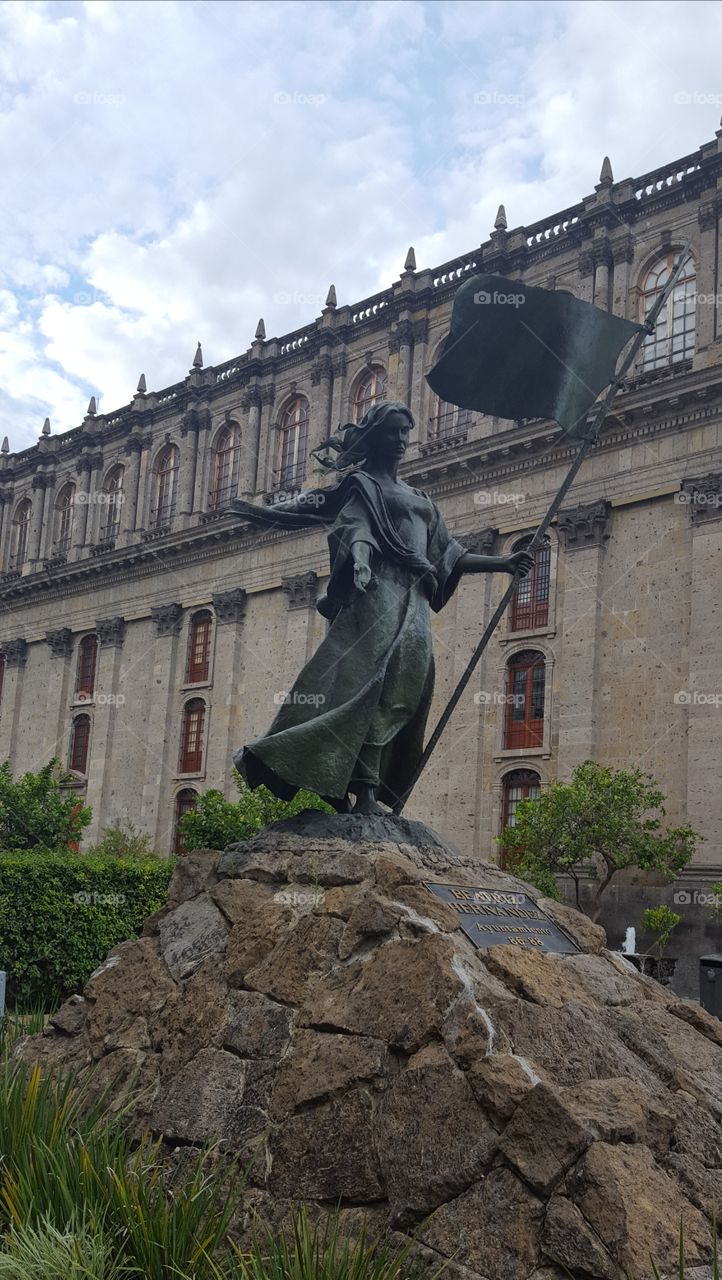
x=381 y=435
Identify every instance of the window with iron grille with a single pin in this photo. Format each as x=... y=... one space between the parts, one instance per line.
x=525 y=700
x=673 y=337
x=113 y=491
x=87 y=658
x=370 y=388
x=199 y=648
x=185 y=801
x=79 y=743
x=448 y=420
x=20 y=532
x=294 y=438
x=194 y=716
x=522 y=784
x=165 y=484
x=64 y=519
x=530 y=602
x=226 y=465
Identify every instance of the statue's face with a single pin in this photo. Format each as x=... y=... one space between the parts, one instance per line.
x=392 y=437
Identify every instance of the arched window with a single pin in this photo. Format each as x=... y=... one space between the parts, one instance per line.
x=448 y=420
x=165 y=476
x=294 y=436
x=194 y=715
x=113 y=493
x=64 y=508
x=673 y=337
x=87 y=659
x=79 y=743
x=370 y=388
x=530 y=602
x=226 y=465
x=525 y=700
x=199 y=647
x=521 y=784
x=184 y=802
x=20 y=534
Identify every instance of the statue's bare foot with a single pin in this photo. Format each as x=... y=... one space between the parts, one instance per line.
x=366 y=801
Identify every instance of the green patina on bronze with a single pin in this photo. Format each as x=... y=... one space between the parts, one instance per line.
x=354 y=720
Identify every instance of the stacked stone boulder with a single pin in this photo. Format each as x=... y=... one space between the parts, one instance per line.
x=306 y=1002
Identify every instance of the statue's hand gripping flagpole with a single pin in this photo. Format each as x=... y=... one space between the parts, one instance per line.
x=590 y=437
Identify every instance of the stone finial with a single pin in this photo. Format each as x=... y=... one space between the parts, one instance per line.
x=606 y=177
x=46 y=427
x=331 y=297
x=260 y=334
x=500 y=223
x=198 y=358
x=92 y=407
x=410 y=262
x=5 y=445
x=141 y=388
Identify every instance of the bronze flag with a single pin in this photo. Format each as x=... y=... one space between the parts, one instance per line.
x=516 y=351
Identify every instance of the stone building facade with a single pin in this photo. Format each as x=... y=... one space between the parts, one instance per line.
x=146 y=633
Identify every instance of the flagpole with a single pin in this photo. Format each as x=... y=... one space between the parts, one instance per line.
x=590 y=439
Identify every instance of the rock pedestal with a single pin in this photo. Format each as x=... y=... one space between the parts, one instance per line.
x=308 y=1002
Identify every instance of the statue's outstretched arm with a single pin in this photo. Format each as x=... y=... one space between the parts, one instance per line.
x=520 y=561
x=295 y=513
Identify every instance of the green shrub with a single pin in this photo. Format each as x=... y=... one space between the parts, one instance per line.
x=660 y=922
x=49 y=1253
x=122 y=841
x=35 y=813
x=215 y=822
x=61 y=913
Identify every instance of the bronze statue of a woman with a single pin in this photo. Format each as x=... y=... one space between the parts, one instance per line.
x=354 y=720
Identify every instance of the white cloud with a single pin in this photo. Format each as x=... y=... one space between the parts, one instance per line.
x=173 y=170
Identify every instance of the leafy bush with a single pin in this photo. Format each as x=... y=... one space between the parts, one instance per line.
x=34 y=812
x=660 y=921
x=215 y=822
x=61 y=913
x=601 y=816
x=122 y=841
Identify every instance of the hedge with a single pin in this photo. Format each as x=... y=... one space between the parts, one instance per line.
x=61 y=913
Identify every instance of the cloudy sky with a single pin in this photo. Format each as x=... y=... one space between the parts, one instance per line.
x=171 y=171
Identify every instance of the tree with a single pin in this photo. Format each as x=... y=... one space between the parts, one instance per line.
x=215 y=822
x=36 y=813
x=603 y=816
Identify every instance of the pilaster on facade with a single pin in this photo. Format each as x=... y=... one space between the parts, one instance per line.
x=586 y=525
x=167 y=618
x=230 y=606
x=301 y=590
x=111 y=632
x=60 y=642
x=703 y=496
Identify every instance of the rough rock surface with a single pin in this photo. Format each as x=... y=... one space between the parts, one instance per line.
x=308 y=1002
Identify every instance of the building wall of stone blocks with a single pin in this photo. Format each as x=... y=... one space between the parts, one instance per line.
x=635 y=563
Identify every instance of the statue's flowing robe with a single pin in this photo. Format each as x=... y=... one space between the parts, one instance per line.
x=370 y=683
